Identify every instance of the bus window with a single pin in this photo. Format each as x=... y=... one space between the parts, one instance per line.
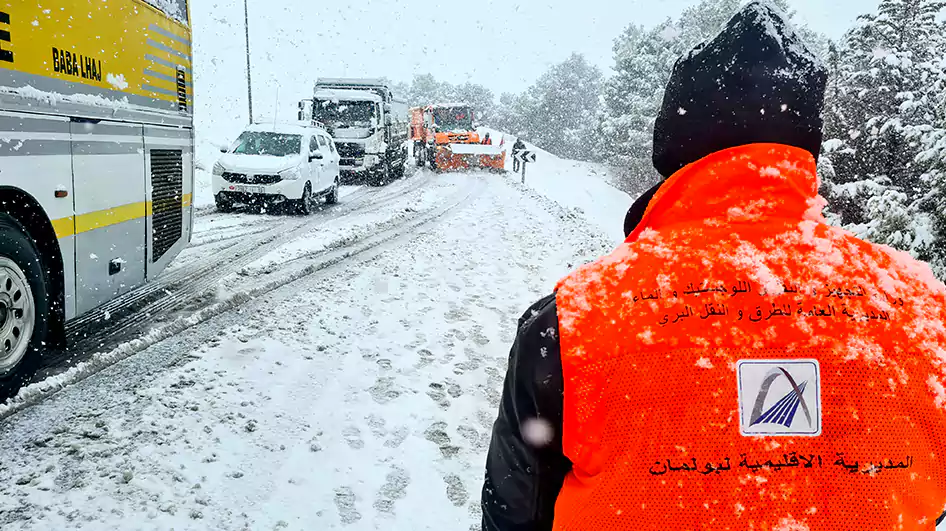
x=176 y=9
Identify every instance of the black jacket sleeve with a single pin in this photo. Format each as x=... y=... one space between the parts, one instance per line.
x=524 y=474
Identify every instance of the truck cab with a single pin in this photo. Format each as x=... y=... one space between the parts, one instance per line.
x=368 y=124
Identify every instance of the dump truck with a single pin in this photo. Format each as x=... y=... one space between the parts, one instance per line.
x=445 y=138
x=368 y=124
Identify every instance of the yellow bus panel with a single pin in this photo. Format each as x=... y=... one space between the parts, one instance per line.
x=117 y=48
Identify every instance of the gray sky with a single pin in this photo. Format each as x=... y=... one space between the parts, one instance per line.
x=502 y=44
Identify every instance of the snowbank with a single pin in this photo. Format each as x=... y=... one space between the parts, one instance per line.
x=582 y=186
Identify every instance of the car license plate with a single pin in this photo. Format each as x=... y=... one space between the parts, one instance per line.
x=249 y=189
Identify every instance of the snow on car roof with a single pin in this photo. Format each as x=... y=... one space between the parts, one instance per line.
x=346 y=95
x=285 y=128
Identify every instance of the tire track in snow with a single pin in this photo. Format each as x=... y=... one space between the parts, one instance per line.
x=136 y=302
x=363 y=249
x=178 y=286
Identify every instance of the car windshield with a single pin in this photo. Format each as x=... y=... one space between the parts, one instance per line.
x=458 y=119
x=265 y=143
x=344 y=114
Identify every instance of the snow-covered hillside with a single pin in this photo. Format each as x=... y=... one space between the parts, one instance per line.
x=583 y=187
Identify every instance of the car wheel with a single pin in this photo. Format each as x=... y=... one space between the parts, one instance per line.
x=223 y=204
x=332 y=197
x=304 y=204
x=24 y=307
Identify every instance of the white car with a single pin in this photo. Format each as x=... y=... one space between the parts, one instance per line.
x=278 y=163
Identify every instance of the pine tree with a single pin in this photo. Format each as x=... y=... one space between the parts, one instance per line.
x=881 y=107
x=559 y=112
x=644 y=60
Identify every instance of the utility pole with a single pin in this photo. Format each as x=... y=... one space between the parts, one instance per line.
x=249 y=75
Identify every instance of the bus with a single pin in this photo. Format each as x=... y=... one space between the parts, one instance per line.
x=96 y=162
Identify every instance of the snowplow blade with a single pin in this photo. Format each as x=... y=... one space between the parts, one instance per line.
x=477 y=149
x=471 y=156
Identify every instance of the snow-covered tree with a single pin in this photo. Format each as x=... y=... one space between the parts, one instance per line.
x=560 y=111
x=884 y=117
x=644 y=59
x=480 y=97
x=425 y=89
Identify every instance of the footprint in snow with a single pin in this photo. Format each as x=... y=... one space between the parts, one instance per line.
x=437 y=434
x=471 y=435
x=352 y=436
x=384 y=390
x=376 y=423
x=457 y=333
x=438 y=394
x=394 y=488
x=456 y=314
x=397 y=437
x=426 y=358
x=454 y=389
x=456 y=492
x=345 y=503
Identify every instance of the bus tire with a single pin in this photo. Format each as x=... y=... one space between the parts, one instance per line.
x=24 y=307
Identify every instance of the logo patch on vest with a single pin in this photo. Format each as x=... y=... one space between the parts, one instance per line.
x=779 y=397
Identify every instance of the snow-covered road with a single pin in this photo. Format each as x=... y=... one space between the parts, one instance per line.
x=355 y=389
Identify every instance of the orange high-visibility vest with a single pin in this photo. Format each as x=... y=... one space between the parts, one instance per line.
x=739 y=364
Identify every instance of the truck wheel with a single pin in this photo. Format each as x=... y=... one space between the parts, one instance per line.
x=24 y=307
x=420 y=155
x=397 y=172
x=380 y=177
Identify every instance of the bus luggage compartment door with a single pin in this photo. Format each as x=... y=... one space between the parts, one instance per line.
x=108 y=170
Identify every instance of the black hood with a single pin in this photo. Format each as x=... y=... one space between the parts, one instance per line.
x=755 y=82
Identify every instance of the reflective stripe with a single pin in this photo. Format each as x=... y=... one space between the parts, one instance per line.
x=164 y=77
x=165 y=62
x=111 y=216
x=70 y=226
x=168 y=49
x=166 y=92
x=64 y=227
x=161 y=31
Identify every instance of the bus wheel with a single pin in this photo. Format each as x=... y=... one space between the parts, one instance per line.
x=24 y=307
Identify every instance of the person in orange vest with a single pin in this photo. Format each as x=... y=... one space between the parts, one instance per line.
x=735 y=363
x=487 y=140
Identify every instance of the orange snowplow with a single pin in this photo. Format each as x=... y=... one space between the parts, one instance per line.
x=445 y=139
